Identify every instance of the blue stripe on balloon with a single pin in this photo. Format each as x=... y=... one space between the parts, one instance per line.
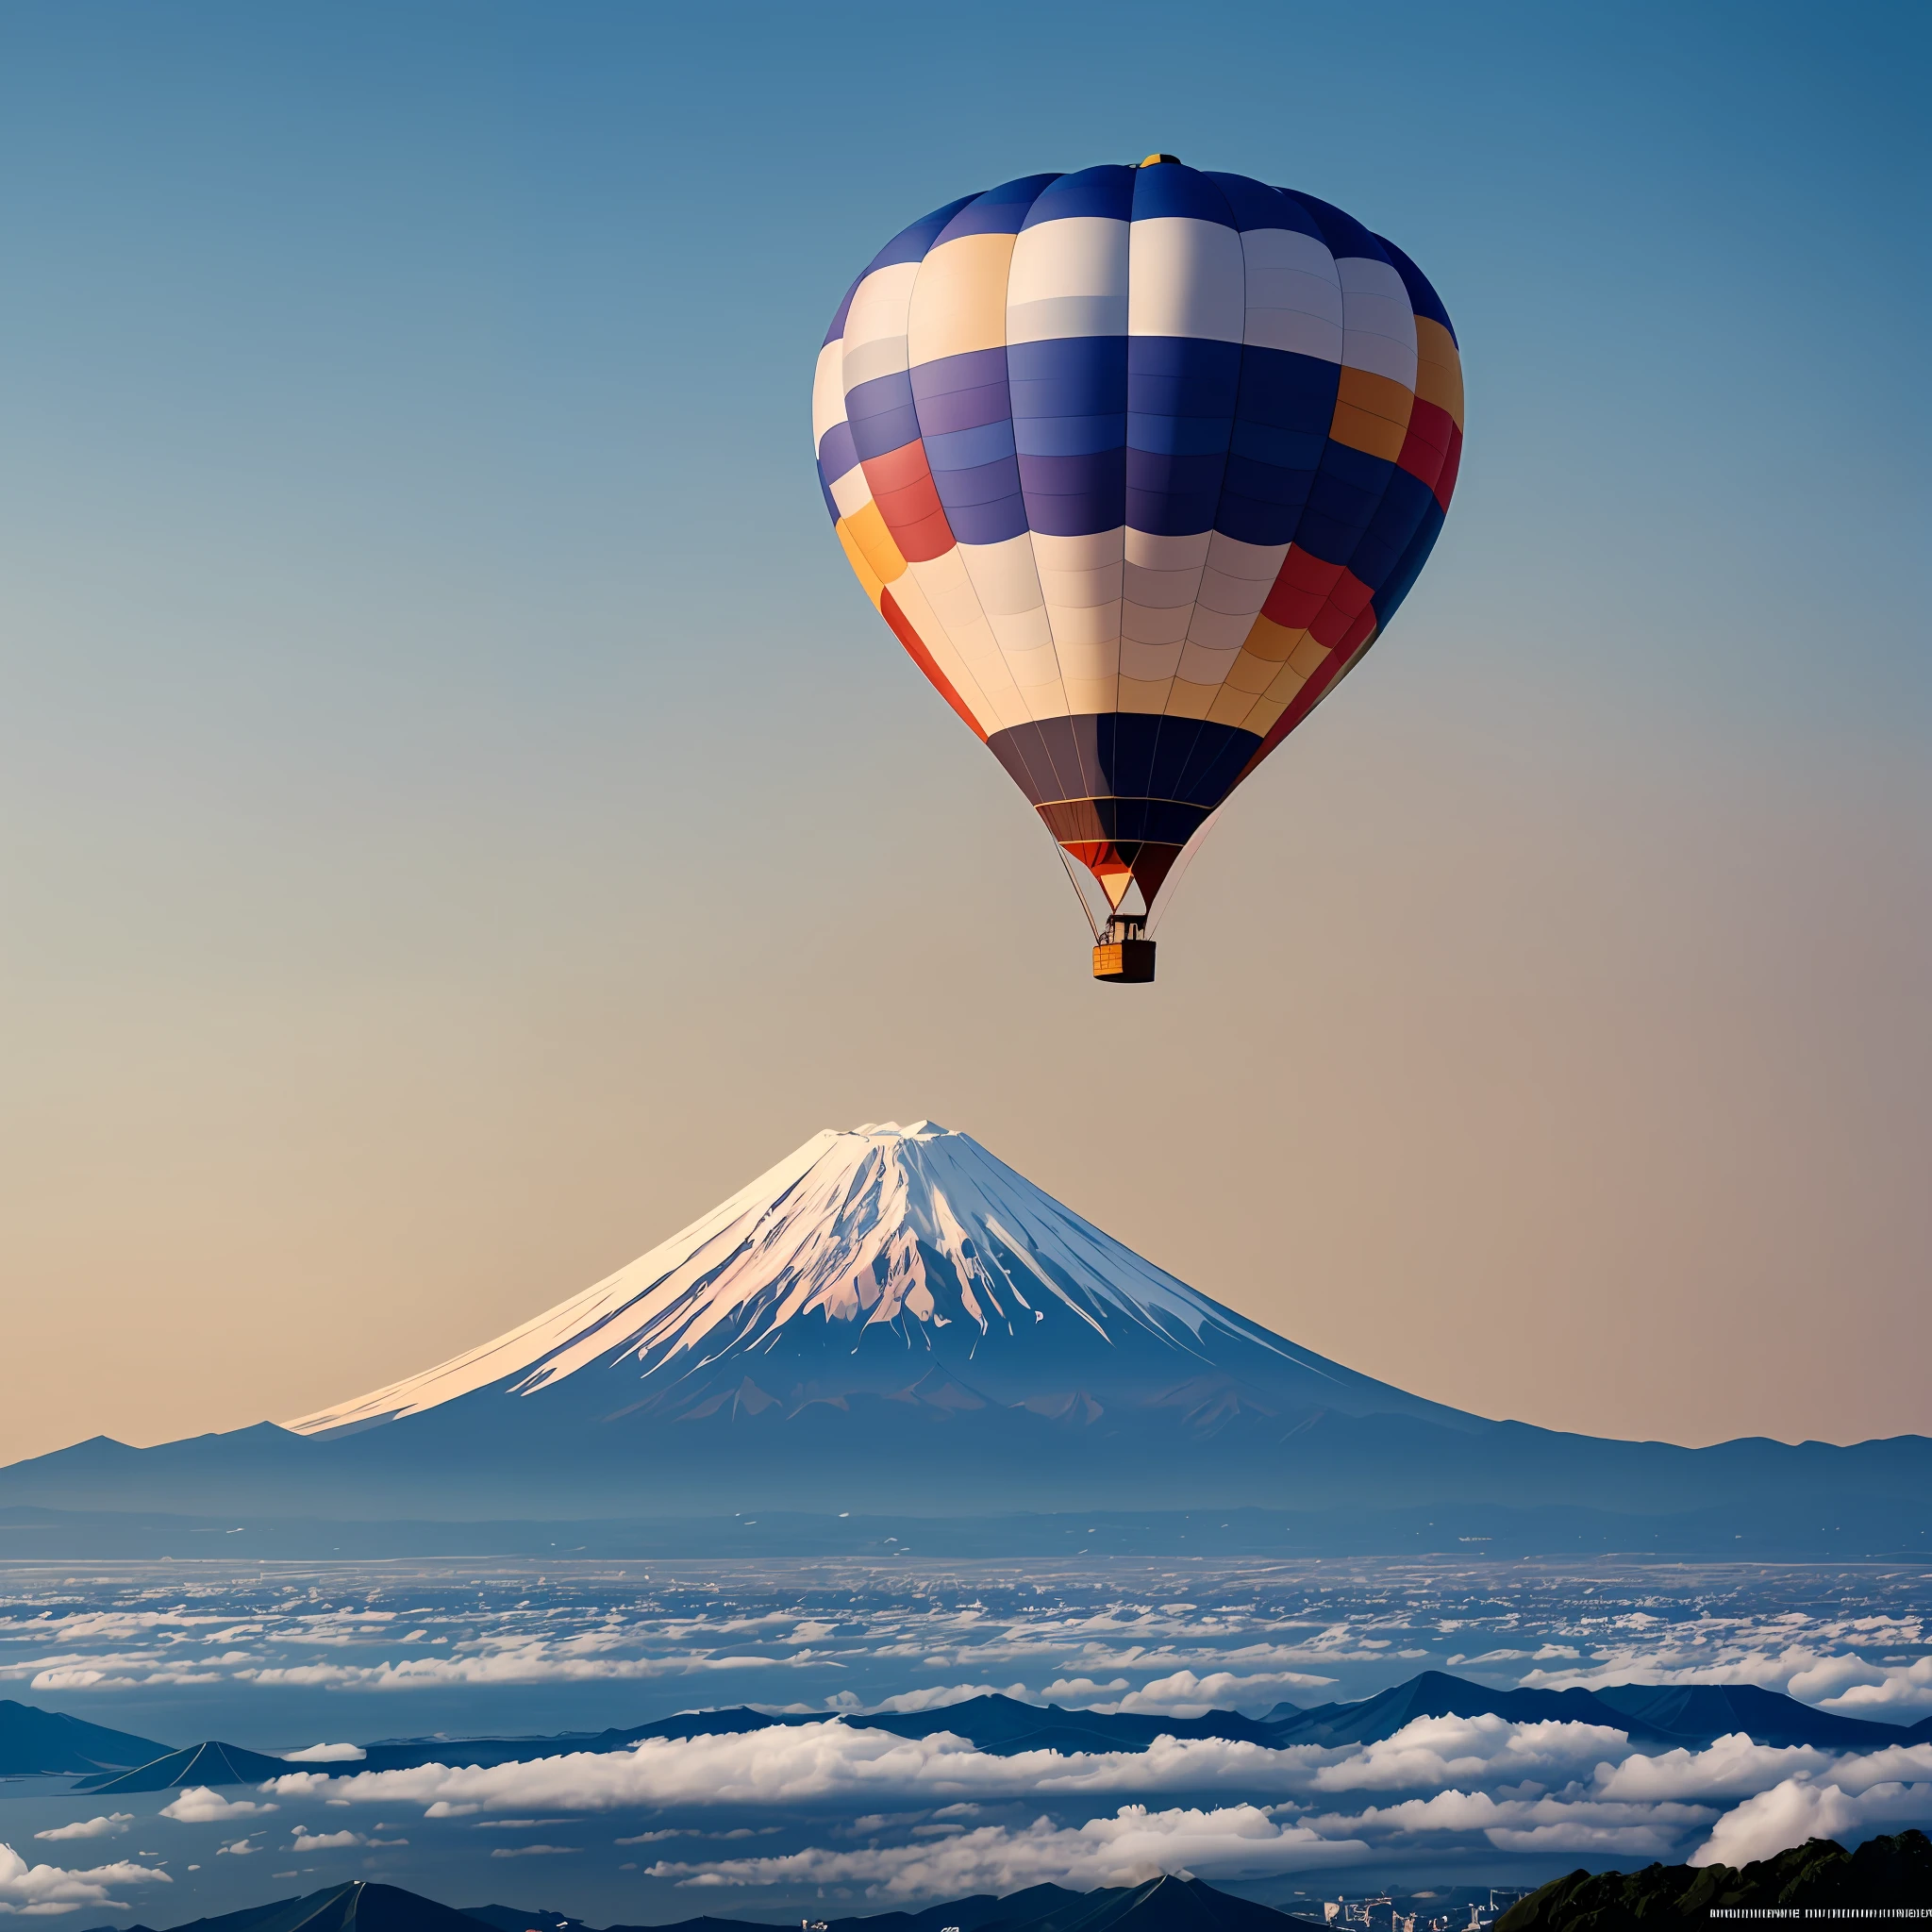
x=999 y=210
x=1104 y=191
x=1181 y=396
x=1164 y=772
x=1343 y=234
x=1068 y=436
x=1178 y=436
x=1397 y=518
x=1214 y=763
x=986 y=483
x=1280 y=449
x=1283 y=406
x=881 y=415
x=1261 y=504
x=942 y=375
x=1341 y=500
x=961 y=393
x=836 y=452
x=1287 y=390
x=1183 y=375
x=1172 y=496
x=1070 y=426
x=1156 y=820
x=968 y=449
x=995 y=521
x=1388 y=598
x=962 y=409
x=1253 y=205
x=1167 y=189
x=1071 y=376
x=1074 y=496
x=826 y=491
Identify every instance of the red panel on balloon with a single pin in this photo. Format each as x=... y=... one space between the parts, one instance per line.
x=903 y=488
x=1425 y=449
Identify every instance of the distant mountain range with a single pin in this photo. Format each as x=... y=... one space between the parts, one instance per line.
x=892 y=1320
x=1658 y=1716
x=1161 y=1905
x=36 y=1742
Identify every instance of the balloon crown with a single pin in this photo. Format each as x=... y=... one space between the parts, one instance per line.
x=1154 y=160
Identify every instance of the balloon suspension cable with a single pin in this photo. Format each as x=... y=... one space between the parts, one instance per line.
x=1075 y=884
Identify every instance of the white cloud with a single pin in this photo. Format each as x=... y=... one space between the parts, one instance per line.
x=1520 y=1824
x=815 y=1763
x=1833 y=1680
x=328 y=1842
x=536 y=1851
x=1081 y=1689
x=1240 y=1842
x=1888 y=1695
x=110 y=1826
x=1432 y=1751
x=531 y=1663
x=830 y=1763
x=1730 y=1767
x=45 y=1891
x=326 y=1753
x=103 y=1624
x=1184 y=1694
x=198 y=1805
x=1786 y=1815
x=1550 y=1787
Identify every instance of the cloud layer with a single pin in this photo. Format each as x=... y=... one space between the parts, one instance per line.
x=45 y=1891
x=1237 y=1841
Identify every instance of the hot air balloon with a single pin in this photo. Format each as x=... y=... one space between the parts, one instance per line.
x=1136 y=463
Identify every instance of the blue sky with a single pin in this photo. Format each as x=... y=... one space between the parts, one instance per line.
x=433 y=700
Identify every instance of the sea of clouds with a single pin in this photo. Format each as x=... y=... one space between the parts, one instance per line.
x=311 y=1662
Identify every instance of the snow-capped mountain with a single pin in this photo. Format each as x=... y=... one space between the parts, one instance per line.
x=892 y=1321
x=899 y=1263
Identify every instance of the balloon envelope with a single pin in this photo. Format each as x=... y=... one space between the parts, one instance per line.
x=1136 y=463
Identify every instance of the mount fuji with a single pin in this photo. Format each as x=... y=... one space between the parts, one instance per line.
x=904 y=1264
x=892 y=1319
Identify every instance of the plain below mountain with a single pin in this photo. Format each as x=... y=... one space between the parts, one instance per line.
x=36 y=1743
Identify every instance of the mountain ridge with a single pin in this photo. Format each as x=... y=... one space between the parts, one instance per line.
x=1660 y=1716
x=892 y=1319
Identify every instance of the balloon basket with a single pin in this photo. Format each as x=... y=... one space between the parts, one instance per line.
x=1123 y=962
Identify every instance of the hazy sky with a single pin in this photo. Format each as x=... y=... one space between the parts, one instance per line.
x=458 y=817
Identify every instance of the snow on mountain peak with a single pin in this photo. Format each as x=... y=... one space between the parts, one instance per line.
x=914 y=1230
